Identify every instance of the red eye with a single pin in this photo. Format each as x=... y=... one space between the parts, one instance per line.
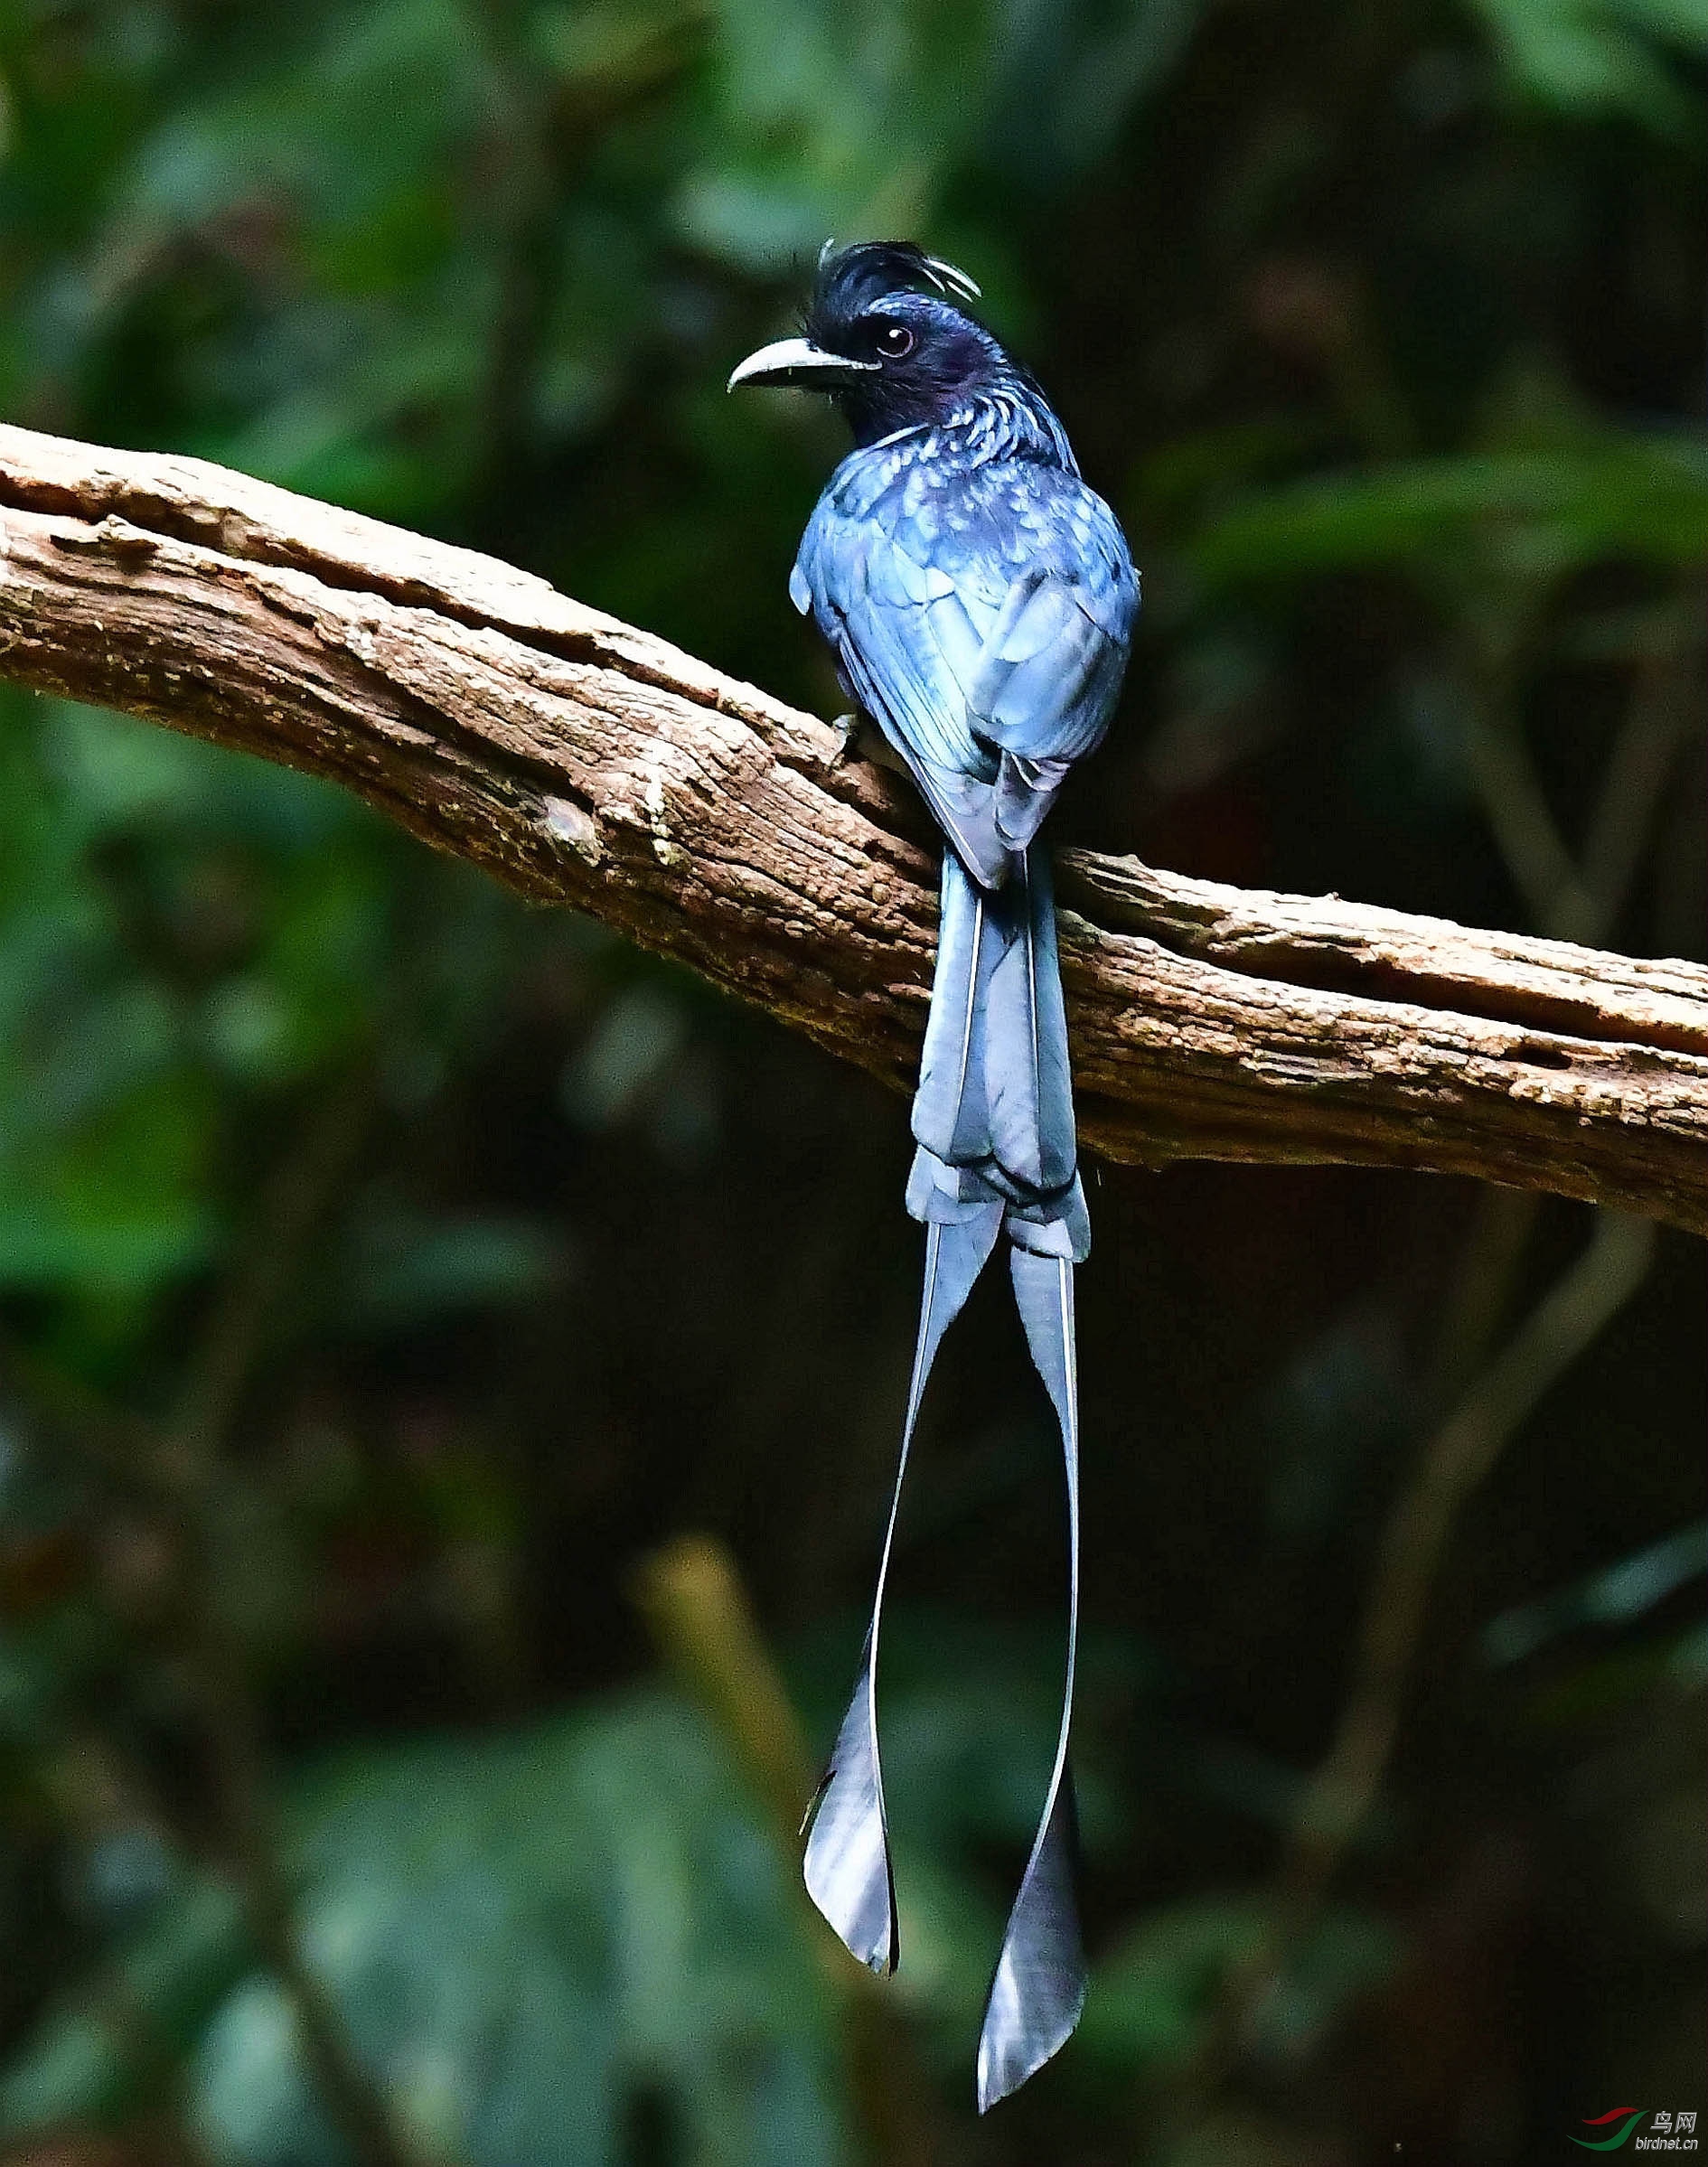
x=895 y=341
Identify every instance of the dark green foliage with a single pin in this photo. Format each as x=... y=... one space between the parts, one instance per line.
x=1381 y=326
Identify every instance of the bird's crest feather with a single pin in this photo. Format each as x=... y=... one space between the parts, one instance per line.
x=851 y=280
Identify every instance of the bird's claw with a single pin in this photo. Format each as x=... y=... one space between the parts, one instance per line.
x=861 y=739
x=848 y=730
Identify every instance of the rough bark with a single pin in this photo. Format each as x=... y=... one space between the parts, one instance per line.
x=584 y=762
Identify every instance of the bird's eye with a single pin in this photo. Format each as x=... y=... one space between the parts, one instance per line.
x=895 y=341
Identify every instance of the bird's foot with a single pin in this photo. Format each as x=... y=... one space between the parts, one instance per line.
x=849 y=729
x=861 y=739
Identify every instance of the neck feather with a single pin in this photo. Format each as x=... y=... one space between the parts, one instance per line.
x=1004 y=420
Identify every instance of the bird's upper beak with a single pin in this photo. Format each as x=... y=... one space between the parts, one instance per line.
x=798 y=361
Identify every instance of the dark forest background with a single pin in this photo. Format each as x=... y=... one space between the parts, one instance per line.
x=390 y=1276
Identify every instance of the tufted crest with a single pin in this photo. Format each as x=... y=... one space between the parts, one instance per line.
x=851 y=280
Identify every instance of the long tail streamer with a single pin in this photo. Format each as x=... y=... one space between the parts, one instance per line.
x=847 y=1869
x=994 y=1120
x=1039 y=1987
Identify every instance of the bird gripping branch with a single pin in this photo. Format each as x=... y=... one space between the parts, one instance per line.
x=980 y=600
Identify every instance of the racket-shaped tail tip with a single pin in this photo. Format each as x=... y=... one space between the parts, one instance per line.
x=1039 y=1988
x=1007 y=2062
x=847 y=1875
x=847 y=1867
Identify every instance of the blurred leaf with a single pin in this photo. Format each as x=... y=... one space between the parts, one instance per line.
x=1605 y=56
x=1542 y=513
x=519 y=1932
x=1152 y=1993
x=82 y=2064
x=1615 y=1595
x=116 y=1201
x=638 y=1039
x=404 y=1268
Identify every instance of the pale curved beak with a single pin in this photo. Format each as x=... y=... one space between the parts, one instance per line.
x=800 y=362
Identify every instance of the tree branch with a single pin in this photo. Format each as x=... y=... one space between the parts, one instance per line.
x=585 y=762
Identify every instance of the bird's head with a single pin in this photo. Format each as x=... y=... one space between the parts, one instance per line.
x=883 y=337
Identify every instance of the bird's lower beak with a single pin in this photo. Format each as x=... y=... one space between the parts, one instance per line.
x=800 y=362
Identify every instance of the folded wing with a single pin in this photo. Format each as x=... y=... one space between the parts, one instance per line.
x=983 y=624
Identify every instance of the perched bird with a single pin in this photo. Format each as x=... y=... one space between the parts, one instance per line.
x=979 y=599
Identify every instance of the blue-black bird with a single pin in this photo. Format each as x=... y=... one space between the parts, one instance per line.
x=980 y=600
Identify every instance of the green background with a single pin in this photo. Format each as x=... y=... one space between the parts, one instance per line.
x=387 y=1272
